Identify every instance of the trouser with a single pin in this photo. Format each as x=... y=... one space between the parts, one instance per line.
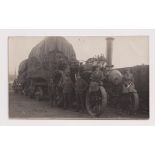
x=80 y=97
x=67 y=100
x=52 y=94
x=52 y=99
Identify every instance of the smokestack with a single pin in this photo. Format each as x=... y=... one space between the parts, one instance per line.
x=109 y=41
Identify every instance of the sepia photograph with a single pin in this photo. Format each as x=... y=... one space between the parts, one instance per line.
x=78 y=77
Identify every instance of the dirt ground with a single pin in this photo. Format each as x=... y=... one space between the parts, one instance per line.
x=23 y=107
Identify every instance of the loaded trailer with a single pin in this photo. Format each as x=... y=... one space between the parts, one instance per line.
x=45 y=61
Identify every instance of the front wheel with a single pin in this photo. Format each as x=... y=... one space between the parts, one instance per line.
x=133 y=102
x=96 y=102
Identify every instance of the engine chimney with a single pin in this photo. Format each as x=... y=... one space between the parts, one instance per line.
x=109 y=42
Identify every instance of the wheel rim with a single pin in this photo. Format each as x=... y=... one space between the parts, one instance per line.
x=38 y=93
x=134 y=102
x=96 y=102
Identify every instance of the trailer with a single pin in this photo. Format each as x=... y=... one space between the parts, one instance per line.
x=51 y=56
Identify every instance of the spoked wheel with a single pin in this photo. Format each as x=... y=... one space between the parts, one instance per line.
x=26 y=91
x=38 y=93
x=96 y=102
x=31 y=91
x=133 y=99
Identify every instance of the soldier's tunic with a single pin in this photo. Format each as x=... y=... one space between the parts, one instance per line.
x=128 y=78
x=97 y=76
x=128 y=82
x=67 y=92
x=80 y=89
x=51 y=90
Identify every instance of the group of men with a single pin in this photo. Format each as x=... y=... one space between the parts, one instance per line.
x=66 y=92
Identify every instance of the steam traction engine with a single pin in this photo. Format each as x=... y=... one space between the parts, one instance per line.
x=113 y=88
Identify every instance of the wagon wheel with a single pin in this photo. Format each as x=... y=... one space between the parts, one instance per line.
x=31 y=91
x=25 y=91
x=96 y=102
x=38 y=93
x=133 y=99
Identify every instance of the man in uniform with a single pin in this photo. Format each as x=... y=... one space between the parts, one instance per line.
x=80 y=89
x=97 y=74
x=128 y=76
x=128 y=87
x=51 y=92
x=68 y=89
x=128 y=81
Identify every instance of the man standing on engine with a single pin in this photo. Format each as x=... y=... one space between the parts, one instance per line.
x=97 y=74
x=128 y=82
x=128 y=76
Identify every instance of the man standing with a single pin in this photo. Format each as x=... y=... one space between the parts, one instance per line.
x=97 y=75
x=80 y=89
x=67 y=91
x=51 y=91
x=128 y=81
x=128 y=76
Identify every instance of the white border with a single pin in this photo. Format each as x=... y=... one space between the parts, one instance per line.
x=4 y=34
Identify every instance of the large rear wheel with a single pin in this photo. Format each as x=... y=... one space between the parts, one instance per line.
x=96 y=102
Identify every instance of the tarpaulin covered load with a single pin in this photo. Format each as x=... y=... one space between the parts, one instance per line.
x=42 y=60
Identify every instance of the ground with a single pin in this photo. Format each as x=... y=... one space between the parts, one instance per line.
x=23 y=107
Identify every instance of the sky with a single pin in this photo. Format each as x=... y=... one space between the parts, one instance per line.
x=127 y=51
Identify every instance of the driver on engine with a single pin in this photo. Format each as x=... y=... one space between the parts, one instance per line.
x=97 y=75
x=96 y=78
x=128 y=81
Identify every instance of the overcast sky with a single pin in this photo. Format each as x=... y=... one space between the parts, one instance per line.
x=127 y=51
